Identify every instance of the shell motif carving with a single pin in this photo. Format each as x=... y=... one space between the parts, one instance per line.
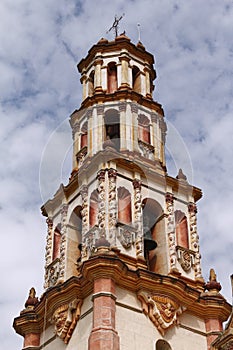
x=162 y=311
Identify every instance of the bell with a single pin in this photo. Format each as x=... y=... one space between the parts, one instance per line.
x=149 y=243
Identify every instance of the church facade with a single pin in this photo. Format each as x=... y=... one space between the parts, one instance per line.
x=122 y=263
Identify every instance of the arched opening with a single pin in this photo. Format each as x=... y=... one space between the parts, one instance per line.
x=56 y=242
x=143 y=128
x=181 y=229
x=91 y=84
x=162 y=345
x=112 y=127
x=136 y=79
x=84 y=135
x=124 y=206
x=152 y=228
x=93 y=212
x=112 y=77
x=75 y=237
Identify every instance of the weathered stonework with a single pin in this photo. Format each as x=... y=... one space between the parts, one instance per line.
x=171 y=230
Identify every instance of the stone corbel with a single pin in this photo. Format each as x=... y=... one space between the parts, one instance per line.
x=162 y=311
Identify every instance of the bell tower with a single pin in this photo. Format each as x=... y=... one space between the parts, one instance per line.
x=122 y=264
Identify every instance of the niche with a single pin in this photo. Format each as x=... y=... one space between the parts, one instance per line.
x=84 y=135
x=124 y=206
x=136 y=79
x=91 y=84
x=143 y=128
x=112 y=77
x=181 y=229
x=56 y=242
x=93 y=212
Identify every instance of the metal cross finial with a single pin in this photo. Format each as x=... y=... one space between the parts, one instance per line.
x=116 y=25
x=139 y=32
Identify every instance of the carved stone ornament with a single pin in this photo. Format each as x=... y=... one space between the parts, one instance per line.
x=162 y=311
x=65 y=319
x=126 y=235
x=185 y=257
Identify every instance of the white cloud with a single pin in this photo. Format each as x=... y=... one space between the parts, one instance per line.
x=41 y=42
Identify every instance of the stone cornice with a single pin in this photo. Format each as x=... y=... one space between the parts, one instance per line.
x=110 y=265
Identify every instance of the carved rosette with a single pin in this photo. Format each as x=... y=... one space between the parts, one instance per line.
x=171 y=229
x=137 y=185
x=64 y=210
x=65 y=319
x=162 y=311
x=112 y=203
x=102 y=201
x=48 y=252
x=192 y=208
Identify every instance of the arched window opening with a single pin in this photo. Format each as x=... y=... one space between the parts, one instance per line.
x=162 y=345
x=56 y=242
x=112 y=127
x=143 y=128
x=84 y=135
x=124 y=206
x=152 y=215
x=112 y=77
x=136 y=79
x=181 y=229
x=91 y=84
x=75 y=234
x=93 y=212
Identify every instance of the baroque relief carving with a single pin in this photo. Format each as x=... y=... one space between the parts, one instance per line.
x=48 y=252
x=185 y=258
x=171 y=229
x=161 y=310
x=65 y=319
x=64 y=210
x=102 y=200
x=112 y=203
x=137 y=184
x=195 y=239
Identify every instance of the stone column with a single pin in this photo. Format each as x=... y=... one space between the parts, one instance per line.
x=134 y=111
x=112 y=205
x=97 y=78
x=64 y=210
x=100 y=126
x=154 y=136
x=192 y=208
x=171 y=230
x=124 y=71
x=48 y=252
x=163 y=128
x=123 y=126
x=104 y=334
x=85 y=87
x=147 y=78
x=138 y=219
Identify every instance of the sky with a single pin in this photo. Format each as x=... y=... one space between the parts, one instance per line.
x=40 y=44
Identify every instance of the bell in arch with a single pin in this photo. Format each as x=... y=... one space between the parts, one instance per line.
x=149 y=243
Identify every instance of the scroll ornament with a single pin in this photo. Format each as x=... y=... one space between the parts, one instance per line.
x=161 y=310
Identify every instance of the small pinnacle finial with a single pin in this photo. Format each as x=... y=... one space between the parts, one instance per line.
x=139 y=32
x=115 y=25
x=32 y=300
x=213 y=285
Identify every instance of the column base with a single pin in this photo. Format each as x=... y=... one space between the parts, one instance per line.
x=103 y=339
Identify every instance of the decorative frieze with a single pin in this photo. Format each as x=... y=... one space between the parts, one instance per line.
x=112 y=203
x=134 y=107
x=122 y=106
x=102 y=202
x=137 y=185
x=171 y=229
x=64 y=210
x=100 y=109
x=192 y=208
x=65 y=319
x=84 y=212
x=49 y=246
x=162 y=311
x=126 y=235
